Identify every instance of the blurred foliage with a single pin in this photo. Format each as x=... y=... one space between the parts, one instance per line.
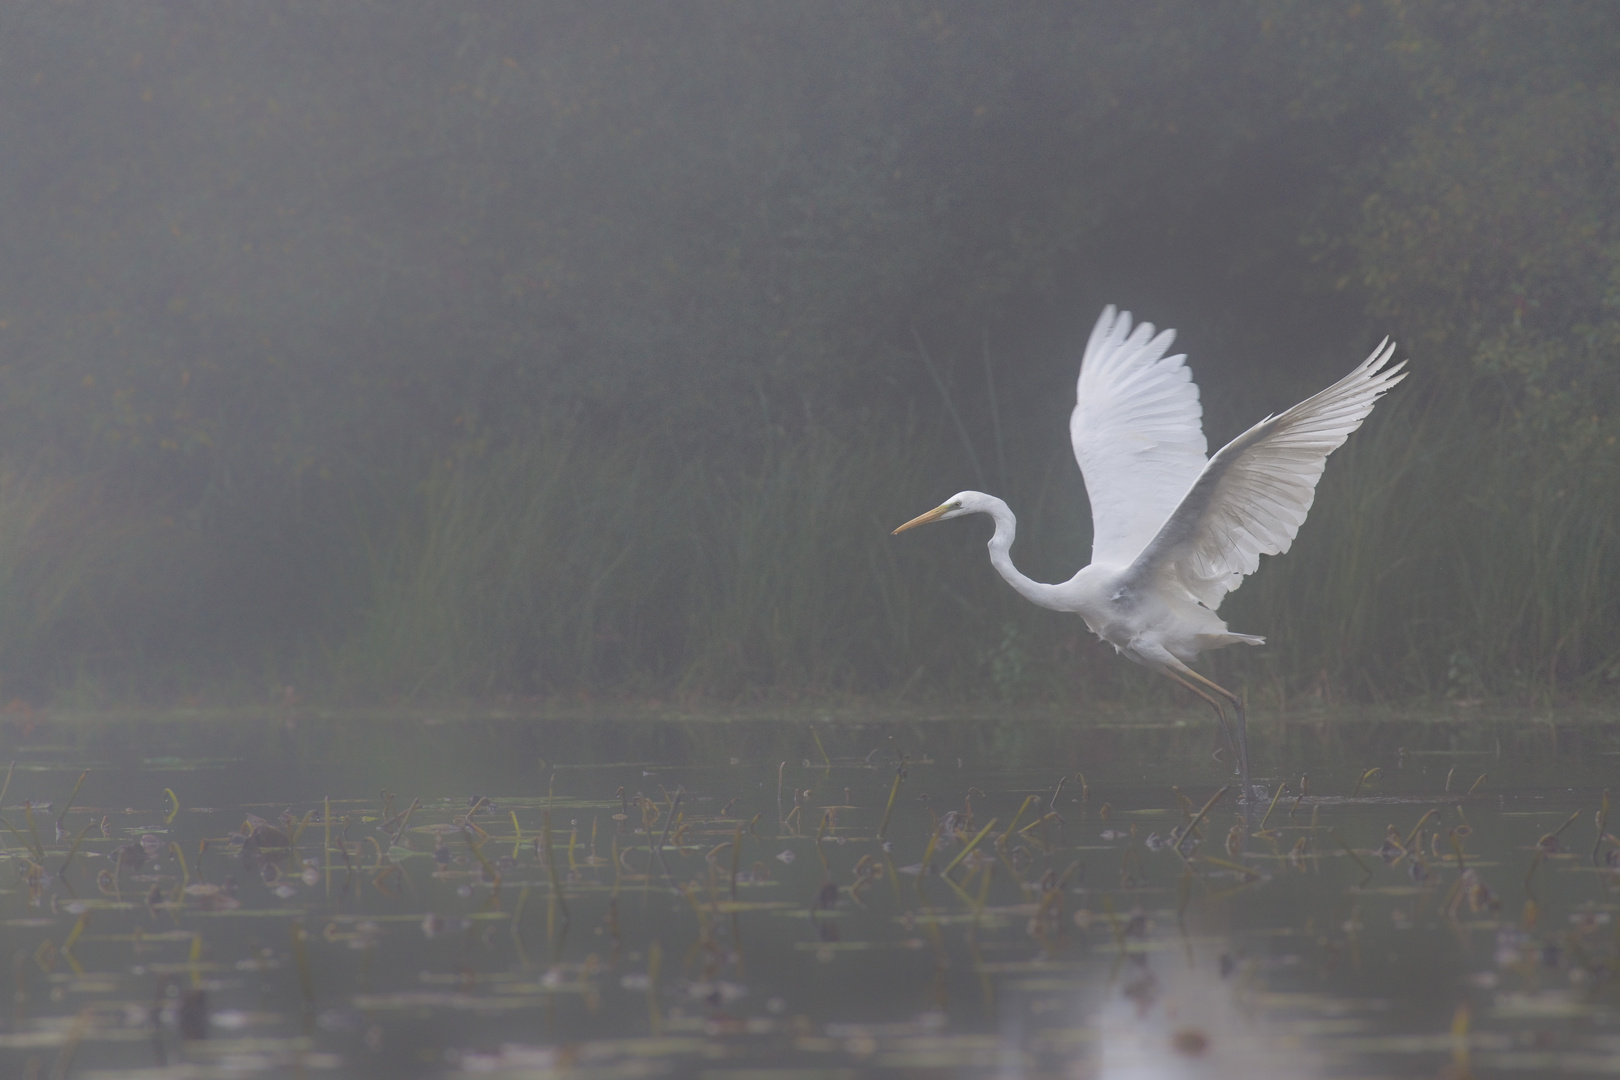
x=1489 y=238
x=414 y=348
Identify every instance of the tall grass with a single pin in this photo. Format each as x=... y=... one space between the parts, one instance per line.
x=802 y=588
x=559 y=565
x=1452 y=552
x=96 y=588
x=1455 y=551
x=514 y=572
x=1447 y=556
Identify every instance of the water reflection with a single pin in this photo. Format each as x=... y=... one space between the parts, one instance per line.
x=399 y=897
x=1180 y=1017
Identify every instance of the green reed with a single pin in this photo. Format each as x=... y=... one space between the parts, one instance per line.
x=1449 y=555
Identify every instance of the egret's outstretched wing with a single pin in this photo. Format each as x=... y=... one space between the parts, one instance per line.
x=1253 y=496
x=1137 y=432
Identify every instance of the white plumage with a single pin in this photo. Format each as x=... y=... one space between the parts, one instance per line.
x=1172 y=532
x=1137 y=432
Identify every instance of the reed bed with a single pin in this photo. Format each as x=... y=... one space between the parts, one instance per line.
x=1446 y=558
x=1452 y=555
x=559 y=566
x=1456 y=552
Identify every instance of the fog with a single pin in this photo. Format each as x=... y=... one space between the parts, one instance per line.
x=386 y=351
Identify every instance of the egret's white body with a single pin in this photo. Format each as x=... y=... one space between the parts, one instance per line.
x=1172 y=532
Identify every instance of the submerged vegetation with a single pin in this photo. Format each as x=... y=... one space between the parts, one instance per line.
x=601 y=356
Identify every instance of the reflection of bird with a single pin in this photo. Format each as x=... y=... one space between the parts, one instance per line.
x=1172 y=533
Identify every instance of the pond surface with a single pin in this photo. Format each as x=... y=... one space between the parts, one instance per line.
x=449 y=897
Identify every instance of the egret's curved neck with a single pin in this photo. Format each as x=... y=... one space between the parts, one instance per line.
x=1001 y=558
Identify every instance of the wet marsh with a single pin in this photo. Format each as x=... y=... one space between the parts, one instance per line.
x=387 y=896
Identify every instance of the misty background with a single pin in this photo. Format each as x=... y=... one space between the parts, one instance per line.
x=423 y=351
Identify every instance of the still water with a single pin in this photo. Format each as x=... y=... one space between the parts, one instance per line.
x=291 y=895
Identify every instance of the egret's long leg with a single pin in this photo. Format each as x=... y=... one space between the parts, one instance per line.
x=1220 y=713
x=1242 y=740
x=1242 y=727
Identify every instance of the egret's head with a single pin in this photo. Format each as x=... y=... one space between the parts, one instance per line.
x=963 y=502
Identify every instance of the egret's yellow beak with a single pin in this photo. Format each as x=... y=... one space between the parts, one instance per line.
x=933 y=515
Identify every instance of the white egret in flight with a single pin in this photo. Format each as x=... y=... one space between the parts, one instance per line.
x=1172 y=533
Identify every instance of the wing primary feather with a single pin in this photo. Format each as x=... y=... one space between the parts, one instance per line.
x=1253 y=496
x=1137 y=433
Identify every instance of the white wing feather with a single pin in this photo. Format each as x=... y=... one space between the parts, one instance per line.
x=1252 y=497
x=1138 y=434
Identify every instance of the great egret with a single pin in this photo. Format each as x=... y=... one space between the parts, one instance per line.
x=1172 y=533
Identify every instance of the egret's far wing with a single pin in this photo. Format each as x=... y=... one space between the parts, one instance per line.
x=1253 y=496
x=1138 y=434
